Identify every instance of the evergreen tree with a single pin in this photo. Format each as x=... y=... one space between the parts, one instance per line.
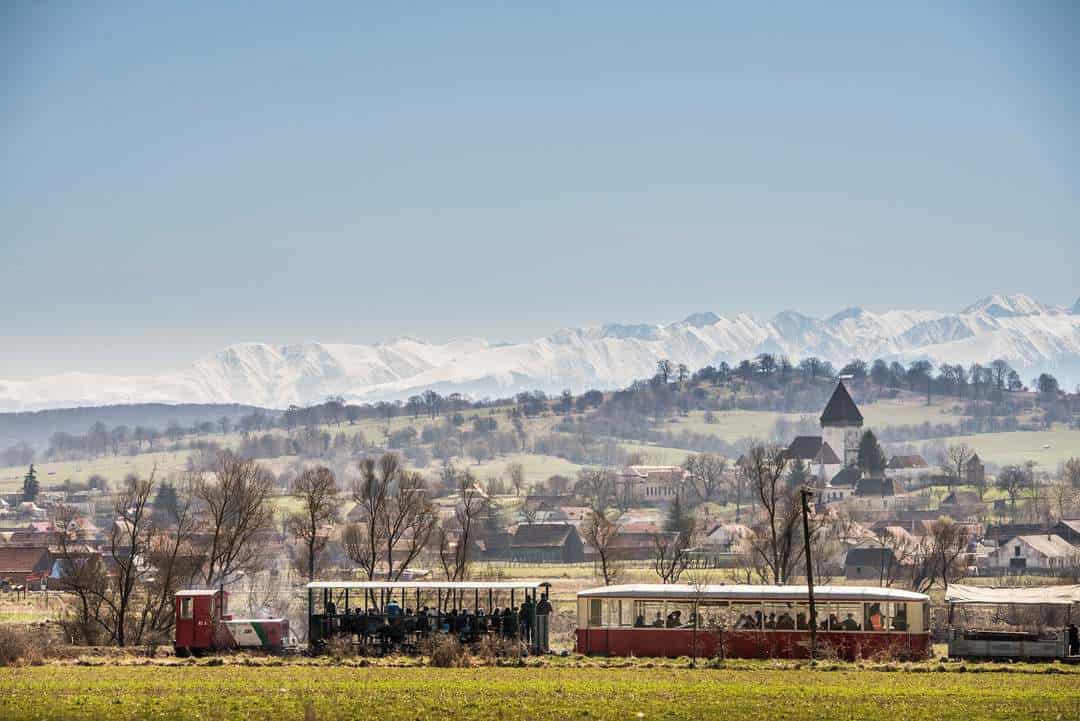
x=165 y=502
x=871 y=456
x=679 y=520
x=31 y=487
x=796 y=477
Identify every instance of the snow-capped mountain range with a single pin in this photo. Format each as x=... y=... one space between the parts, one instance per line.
x=1031 y=336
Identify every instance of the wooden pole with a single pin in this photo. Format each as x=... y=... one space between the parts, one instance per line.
x=805 y=494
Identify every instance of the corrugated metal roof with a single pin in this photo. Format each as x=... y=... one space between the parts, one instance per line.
x=428 y=585
x=743 y=592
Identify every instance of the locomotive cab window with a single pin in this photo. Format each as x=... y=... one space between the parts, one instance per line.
x=185 y=608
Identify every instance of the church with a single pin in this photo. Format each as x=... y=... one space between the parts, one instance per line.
x=837 y=448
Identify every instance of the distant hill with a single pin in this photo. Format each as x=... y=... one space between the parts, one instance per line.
x=35 y=427
x=1033 y=337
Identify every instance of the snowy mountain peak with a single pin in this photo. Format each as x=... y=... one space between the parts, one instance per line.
x=1031 y=336
x=1009 y=306
x=701 y=320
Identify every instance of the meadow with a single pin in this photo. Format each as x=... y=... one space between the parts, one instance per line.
x=582 y=689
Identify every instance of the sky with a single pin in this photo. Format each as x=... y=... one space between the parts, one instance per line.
x=178 y=177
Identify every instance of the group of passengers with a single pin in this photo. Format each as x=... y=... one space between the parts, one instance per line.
x=784 y=622
x=673 y=620
x=396 y=625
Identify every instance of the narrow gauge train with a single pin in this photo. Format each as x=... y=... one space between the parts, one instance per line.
x=203 y=624
x=746 y=621
x=736 y=621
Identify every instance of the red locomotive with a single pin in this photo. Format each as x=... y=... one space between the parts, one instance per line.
x=203 y=624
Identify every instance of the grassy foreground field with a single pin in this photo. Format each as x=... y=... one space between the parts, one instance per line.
x=641 y=692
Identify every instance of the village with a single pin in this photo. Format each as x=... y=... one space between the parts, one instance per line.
x=898 y=522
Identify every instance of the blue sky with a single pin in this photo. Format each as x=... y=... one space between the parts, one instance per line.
x=176 y=178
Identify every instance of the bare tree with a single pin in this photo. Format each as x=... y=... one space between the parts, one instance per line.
x=706 y=474
x=939 y=557
x=670 y=556
x=115 y=599
x=317 y=491
x=237 y=510
x=396 y=518
x=457 y=535
x=597 y=487
x=1013 y=480
x=600 y=533
x=516 y=471
x=954 y=460
x=407 y=522
x=1070 y=473
x=776 y=540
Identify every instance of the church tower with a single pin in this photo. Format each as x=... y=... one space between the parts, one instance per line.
x=841 y=425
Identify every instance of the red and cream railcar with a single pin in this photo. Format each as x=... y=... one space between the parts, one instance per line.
x=744 y=621
x=203 y=624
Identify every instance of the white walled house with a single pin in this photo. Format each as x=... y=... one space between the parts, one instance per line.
x=1042 y=552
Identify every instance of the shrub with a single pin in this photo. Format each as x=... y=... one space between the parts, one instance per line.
x=447 y=652
x=24 y=646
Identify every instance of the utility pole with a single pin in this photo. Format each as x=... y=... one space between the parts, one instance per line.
x=806 y=493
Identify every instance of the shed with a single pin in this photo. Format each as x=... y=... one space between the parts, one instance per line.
x=547 y=543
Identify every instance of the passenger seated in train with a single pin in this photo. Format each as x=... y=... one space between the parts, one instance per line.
x=800 y=622
x=639 y=622
x=850 y=624
x=875 y=621
x=785 y=622
x=658 y=622
x=674 y=619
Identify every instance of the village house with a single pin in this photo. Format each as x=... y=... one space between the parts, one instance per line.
x=546 y=543
x=962 y=504
x=1042 y=552
x=728 y=538
x=841 y=486
x=870 y=564
x=975 y=472
x=1069 y=529
x=18 y=562
x=911 y=471
x=649 y=485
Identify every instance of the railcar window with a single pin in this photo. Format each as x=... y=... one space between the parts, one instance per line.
x=874 y=616
x=185 y=608
x=848 y=617
x=747 y=615
x=779 y=616
x=899 y=617
x=596 y=606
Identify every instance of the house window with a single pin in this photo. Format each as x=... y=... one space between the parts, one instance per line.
x=1016 y=551
x=185 y=608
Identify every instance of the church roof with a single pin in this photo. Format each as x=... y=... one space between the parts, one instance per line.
x=841 y=410
x=813 y=449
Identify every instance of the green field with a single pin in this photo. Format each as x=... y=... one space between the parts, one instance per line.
x=1046 y=448
x=640 y=691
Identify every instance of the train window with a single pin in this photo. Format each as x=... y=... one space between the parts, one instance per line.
x=875 y=616
x=596 y=606
x=847 y=617
x=898 y=619
x=747 y=615
x=649 y=614
x=779 y=616
x=185 y=608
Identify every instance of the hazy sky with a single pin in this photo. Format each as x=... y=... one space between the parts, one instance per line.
x=174 y=179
